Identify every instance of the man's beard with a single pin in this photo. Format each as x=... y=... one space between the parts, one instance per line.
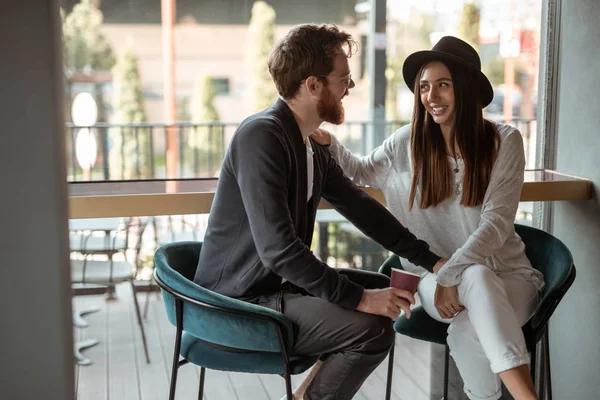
x=329 y=109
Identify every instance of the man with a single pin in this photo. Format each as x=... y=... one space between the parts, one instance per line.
x=257 y=246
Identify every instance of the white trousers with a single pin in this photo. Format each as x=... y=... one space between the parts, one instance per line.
x=486 y=337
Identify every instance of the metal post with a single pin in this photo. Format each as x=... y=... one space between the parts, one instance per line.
x=151 y=151
x=376 y=65
x=136 y=133
x=105 y=158
x=168 y=43
x=181 y=152
x=73 y=157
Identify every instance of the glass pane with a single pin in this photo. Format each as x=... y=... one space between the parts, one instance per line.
x=141 y=113
x=148 y=99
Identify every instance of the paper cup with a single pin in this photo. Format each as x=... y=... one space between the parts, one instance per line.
x=405 y=280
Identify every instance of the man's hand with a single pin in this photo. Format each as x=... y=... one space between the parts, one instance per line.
x=446 y=301
x=321 y=136
x=388 y=302
x=438 y=265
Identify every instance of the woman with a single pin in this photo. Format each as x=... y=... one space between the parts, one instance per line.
x=454 y=179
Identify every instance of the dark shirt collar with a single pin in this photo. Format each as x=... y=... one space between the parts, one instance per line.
x=289 y=122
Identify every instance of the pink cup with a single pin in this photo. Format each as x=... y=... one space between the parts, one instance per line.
x=405 y=280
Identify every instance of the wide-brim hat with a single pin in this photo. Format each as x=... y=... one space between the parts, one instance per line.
x=453 y=49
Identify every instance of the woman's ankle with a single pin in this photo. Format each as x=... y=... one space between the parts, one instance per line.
x=519 y=383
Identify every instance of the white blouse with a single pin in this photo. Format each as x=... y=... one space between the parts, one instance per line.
x=483 y=234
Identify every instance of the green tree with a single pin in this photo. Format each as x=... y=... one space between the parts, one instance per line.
x=468 y=26
x=85 y=47
x=206 y=141
x=411 y=35
x=393 y=73
x=494 y=70
x=203 y=107
x=261 y=38
x=129 y=154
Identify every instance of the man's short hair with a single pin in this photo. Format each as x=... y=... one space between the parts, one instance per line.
x=306 y=50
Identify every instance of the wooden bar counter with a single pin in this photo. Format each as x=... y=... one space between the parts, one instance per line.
x=105 y=199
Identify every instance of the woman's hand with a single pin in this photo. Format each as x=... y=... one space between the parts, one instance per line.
x=446 y=301
x=321 y=136
x=438 y=265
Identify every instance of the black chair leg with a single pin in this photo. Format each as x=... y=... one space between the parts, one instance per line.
x=177 y=349
x=140 y=322
x=547 y=371
x=147 y=302
x=541 y=372
x=201 y=388
x=288 y=385
x=388 y=389
x=533 y=364
x=446 y=371
x=174 y=377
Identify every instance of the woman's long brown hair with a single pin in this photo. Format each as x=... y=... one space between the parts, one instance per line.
x=478 y=141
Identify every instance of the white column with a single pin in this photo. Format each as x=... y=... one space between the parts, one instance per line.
x=36 y=353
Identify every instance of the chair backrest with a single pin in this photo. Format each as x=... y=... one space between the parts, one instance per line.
x=553 y=259
x=135 y=229
x=210 y=316
x=181 y=258
x=392 y=261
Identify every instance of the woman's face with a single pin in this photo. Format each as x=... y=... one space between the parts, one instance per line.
x=437 y=94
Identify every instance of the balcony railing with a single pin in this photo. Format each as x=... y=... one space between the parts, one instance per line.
x=138 y=151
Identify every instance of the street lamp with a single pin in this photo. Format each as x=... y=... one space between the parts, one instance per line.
x=84 y=110
x=84 y=113
x=86 y=149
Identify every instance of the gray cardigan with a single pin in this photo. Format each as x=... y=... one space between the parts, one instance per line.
x=260 y=225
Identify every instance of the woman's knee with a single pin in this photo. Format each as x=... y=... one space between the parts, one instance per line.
x=478 y=273
x=461 y=334
x=479 y=277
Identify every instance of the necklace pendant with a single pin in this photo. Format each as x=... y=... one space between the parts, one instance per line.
x=455 y=170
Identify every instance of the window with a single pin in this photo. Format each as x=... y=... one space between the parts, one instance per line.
x=221 y=86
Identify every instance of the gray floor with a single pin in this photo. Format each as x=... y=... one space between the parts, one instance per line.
x=119 y=370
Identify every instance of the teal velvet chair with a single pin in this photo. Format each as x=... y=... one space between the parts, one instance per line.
x=548 y=255
x=218 y=332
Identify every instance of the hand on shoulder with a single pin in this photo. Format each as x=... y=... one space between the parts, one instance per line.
x=321 y=136
x=438 y=265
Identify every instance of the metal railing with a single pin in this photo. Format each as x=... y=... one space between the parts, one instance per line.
x=139 y=150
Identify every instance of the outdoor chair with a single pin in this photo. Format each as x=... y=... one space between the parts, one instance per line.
x=218 y=332
x=109 y=271
x=82 y=238
x=549 y=256
x=190 y=230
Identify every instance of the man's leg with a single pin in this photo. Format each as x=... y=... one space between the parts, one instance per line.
x=360 y=341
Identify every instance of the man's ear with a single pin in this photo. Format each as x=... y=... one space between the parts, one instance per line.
x=313 y=85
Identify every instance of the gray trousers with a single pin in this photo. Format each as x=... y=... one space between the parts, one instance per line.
x=352 y=343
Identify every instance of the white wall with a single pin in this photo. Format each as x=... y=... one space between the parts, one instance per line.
x=575 y=327
x=36 y=355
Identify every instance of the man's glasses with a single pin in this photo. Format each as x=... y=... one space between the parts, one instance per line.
x=345 y=80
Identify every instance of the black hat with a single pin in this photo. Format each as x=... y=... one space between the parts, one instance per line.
x=454 y=49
